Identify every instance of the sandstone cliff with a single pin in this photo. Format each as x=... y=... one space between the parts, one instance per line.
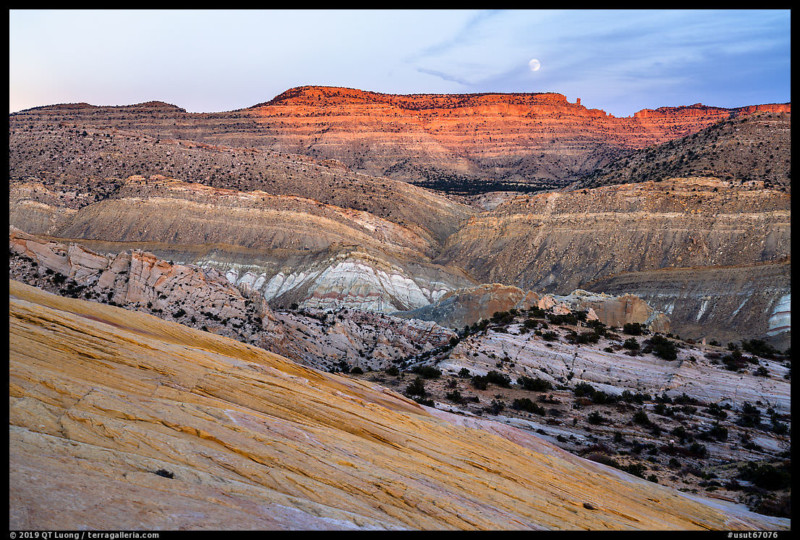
x=163 y=426
x=540 y=138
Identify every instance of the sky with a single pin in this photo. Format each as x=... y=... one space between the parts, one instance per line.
x=222 y=60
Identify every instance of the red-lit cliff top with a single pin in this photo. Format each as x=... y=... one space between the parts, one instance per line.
x=314 y=95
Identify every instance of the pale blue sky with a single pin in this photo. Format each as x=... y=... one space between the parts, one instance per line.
x=206 y=61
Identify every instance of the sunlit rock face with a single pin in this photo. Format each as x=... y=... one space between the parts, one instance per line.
x=163 y=426
x=537 y=138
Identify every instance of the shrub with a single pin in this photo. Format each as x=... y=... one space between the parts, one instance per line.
x=427 y=372
x=759 y=347
x=716 y=411
x=464 y=373
x=765 y=476
x=455 y=396
x=749 y=416
x=480 y=382
x=392 y=370
x=662 y=347
x=595 y=418
x=495 y=407
x=534 y=384
x=583 y=389
x=416 y=388
x=631 y=344
x=632 y=329
x=549 y=336
x=630 y=397
x=601 y=398
x=356 y=370
x=498 y=378
x=640 y=417
x=525 y=404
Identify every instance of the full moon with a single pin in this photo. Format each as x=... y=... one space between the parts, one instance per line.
x=535 y=64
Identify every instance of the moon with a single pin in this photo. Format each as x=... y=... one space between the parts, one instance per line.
x=534 y=64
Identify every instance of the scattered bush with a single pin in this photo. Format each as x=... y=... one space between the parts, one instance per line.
x=633 y=329
x=427 y=372
x=499 y=379
x=749 y=416
x=640 y=417
x=534 y=384
x=766 y=476
x=631 y=344
x=661 y=347
x=525 y=404
x=416 y=388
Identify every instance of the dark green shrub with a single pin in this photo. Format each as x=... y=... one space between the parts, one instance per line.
x=464 y=373
x=356 y=370
x=498 y=378
x=455 y=396
x=595 y=418
x=661 y=347
x=392 y=370
x=766 y=476
x=534 y=384
x=480 y=382
x=525 y=404
x=549 y=336
x=750 y=415
x=583 y=389
x=427 y=372
x=631 y=344
x=632 y=329
x=640 y=417
x=416 y=388
x=759 y=348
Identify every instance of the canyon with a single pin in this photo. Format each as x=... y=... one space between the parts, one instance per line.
x=415 y=268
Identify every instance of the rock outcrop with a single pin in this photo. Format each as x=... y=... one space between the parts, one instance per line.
x=205 y=299
x=163 y=426
x=467 y=306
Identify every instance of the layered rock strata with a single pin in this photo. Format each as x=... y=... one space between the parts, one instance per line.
x=536 y=137
x=558 y=242
x=163 y=426
x=205 y=299
x=716 y=303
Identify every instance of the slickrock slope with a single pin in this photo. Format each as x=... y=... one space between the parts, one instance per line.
x=205 y=299
x=538 y=138
x=558 y=242
x=122 y=421
x=742 y=149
